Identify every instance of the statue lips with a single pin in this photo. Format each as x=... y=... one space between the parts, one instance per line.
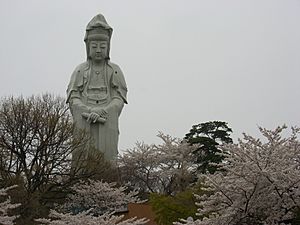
x=99 y=56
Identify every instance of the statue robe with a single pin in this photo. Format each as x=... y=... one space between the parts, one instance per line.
x=104 y=135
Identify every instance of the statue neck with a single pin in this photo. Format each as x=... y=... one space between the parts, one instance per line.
x=98 y=63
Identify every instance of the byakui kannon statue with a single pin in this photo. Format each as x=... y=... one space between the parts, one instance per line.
x=97 y=90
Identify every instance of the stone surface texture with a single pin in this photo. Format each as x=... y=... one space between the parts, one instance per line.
x=97 y=90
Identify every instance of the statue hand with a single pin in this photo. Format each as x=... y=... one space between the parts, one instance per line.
x=93 y=117
x=101 y=112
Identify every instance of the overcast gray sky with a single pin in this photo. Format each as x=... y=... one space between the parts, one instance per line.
x=185 y=62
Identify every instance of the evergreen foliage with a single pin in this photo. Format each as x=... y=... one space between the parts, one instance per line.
x=169 y=209
x=209 y=136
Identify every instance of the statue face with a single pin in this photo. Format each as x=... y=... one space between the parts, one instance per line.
x=98 y=50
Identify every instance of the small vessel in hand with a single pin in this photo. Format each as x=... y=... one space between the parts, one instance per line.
x=100 y=119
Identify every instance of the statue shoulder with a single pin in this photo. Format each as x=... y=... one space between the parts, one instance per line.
x=118 y=81
x=115 y=67
x=117 y=73
x=76 y=80
x=81 y=67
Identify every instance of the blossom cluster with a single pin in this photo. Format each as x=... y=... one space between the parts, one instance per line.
x=166 y=168
x=100 y=197
x=87 y=219
x=6 y=206
x=94 y=203
x=259 y=184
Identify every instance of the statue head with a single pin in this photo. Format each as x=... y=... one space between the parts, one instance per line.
x=98 y=30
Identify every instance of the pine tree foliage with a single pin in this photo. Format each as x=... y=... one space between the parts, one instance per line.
x=209 y=136
x=166 y=168
x=260 y=183
x=6 y=206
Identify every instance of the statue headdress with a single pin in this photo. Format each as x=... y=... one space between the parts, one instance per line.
x=98 y=28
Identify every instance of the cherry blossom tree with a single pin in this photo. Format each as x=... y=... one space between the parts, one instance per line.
x=166 y=168
x=260 y=183
x=5 y=206
x=86 y=219
x=94 y=203
x=98 y=197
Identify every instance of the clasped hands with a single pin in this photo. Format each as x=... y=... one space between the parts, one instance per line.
x=96 y=115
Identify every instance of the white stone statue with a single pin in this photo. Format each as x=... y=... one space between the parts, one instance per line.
x=97 y=90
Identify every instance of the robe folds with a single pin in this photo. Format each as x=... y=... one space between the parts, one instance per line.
x=104 y=136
